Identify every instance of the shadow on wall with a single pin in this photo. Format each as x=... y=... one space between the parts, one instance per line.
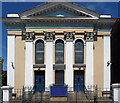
x=115 y=52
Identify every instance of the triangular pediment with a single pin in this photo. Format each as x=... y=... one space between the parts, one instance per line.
x=65 y=9
x=59 y=12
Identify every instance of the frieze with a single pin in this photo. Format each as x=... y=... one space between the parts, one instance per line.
x=90 y=36
x=29 y=36
x=49 y=36
x=30 y=25
x=69 y=36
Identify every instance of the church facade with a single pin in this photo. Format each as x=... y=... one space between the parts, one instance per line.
x=58 y=43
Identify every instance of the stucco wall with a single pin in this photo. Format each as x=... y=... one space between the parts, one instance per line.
x=98 y=62
x=19 y=62
x=59 y=30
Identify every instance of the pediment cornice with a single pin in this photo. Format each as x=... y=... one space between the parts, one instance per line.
x=19 y=21
x=52 y=6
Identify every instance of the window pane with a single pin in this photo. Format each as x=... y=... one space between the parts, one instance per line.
x=79 y=52
x=59 y=52
x=39 y=58
x=39 y=52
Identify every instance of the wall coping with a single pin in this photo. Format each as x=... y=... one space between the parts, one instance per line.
x=116 y=85
x=6 y=87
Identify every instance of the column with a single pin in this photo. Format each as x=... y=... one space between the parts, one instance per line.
x=69 y=60
x=29 y=59
x=49 y=59
x=107 y=62
x=11 y=60
x=89 y=36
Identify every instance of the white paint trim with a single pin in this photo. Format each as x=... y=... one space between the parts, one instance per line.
x=107 y=58
x=105 y=16
x=11 y=60
x=83 y=12
x=89 y=64
x=69 y=66
x=39 y=38
x=86 y=18
x=60 y=39
x=29 y=64
x=12 y=15
x=49 y=65
x=77 y=38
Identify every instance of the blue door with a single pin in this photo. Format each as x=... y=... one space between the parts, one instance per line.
x=78 y=80
x=39 y=81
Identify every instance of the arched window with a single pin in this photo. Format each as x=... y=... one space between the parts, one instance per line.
x=39 y=52
x=59 y=52
x=79 y=52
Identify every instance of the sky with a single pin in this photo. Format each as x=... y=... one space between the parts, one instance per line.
x=16 y=7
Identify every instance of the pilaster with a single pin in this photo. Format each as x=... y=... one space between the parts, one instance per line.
x=107 y=62
x=49 y=36
x=29 y=37
x=69 y=36
x=89 y=37
x=11 y=60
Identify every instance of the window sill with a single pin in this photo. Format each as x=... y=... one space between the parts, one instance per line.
x=59 y=66
x=79 y=65
x=39 y=66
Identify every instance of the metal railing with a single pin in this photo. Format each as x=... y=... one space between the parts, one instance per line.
x=92 y=93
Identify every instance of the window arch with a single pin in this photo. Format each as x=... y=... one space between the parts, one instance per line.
x=59 y=52
x=79 y=52
x=39 y=52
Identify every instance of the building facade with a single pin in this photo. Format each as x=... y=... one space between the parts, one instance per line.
x=58 y=43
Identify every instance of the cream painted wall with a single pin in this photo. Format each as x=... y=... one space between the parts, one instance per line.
x=53 y=54
x=98 y=62
x=16 y=32
x=33 y=53
x=59 y=30
x=73 y=54
x=64 y=54
x=103 y=32
x=19 y=62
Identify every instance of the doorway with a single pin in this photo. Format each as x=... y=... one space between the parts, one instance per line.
x=59 y=77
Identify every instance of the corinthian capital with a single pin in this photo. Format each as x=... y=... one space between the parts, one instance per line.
x=90 y=36
x=29 y=36
x=69 y=36
x=49 y=36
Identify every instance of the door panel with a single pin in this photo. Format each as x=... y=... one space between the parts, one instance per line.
x=39 y=81
x=78 y=80
x=59 y=77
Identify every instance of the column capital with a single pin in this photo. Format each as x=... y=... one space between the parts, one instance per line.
x=29 y=36
x=90 y=36
x=49 y=36
x=69 y=36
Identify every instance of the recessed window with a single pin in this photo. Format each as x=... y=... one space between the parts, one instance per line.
x=59 y=52
x=39 y=52
x=79 y=52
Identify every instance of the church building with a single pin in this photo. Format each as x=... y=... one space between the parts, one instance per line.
x=59 y=43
